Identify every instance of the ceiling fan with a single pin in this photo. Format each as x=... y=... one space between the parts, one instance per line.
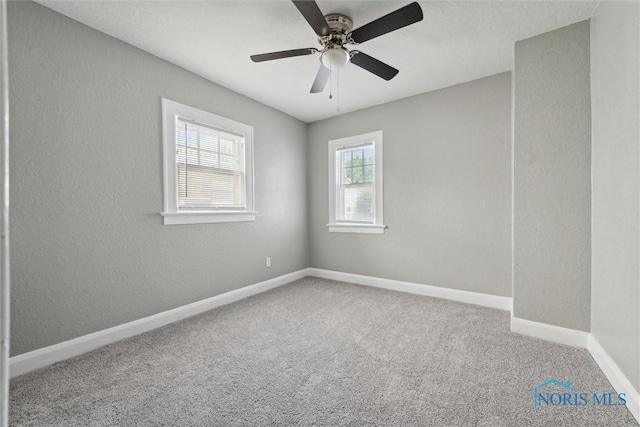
x=334 y=32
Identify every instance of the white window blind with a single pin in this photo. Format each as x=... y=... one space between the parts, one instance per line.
x=210 y=167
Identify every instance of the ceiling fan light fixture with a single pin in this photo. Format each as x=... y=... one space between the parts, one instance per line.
x=334 y=58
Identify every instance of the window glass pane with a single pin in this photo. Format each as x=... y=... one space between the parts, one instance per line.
x=239 y=154
x=227 y=162
x=192 y=156
x=346 y=176
x=208 y=159
x=357 y=157
x=208 y=142
x=180 y=134
x=356 y=175
x=358 y=204
x=181 y=154
x=226 y=147
x=368 y=156
x=368 y=174
x=192 y=137
x=346 y=158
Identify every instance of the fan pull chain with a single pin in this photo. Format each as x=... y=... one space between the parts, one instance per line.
x=330 y=78
x=338 y=90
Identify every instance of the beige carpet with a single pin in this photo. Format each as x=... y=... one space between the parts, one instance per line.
x=318 y=352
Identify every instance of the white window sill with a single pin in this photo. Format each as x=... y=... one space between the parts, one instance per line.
x=179 y=218
x=356 y=228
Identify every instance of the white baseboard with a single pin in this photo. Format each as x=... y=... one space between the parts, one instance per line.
x=493 y=301
x=42 y=357
x=615 y=376
x=547 y=332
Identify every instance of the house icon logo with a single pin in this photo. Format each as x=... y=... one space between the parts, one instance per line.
x=537 y=389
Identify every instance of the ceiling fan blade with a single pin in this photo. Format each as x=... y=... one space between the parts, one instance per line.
x=410 y=14
x=374 y=66
x=321 y=79
x=311 y=12
x=283 y=54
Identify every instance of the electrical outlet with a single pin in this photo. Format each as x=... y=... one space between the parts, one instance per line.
x=267 y=262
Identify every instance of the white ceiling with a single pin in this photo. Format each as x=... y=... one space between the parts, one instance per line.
x=457 y=41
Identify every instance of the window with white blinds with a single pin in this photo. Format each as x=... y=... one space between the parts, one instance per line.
x=208 y=167
x=355 y=187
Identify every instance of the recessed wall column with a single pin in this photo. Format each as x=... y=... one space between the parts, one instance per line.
x=615 y=228
x=552 y=178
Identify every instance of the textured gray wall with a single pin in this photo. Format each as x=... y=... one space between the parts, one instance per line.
x=615 y=257
x=551 y=178
x=447 y=194
x=89 y=250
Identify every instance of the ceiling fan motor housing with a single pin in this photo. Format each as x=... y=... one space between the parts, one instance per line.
x=334 y=55
x=339 y=22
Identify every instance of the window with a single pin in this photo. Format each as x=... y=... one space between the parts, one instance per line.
x=208 y=167
x=355 y=184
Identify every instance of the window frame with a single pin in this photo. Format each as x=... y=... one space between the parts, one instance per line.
x=172 y=213
x=335 y=147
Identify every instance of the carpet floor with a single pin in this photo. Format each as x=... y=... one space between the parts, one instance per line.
x=320 y=352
